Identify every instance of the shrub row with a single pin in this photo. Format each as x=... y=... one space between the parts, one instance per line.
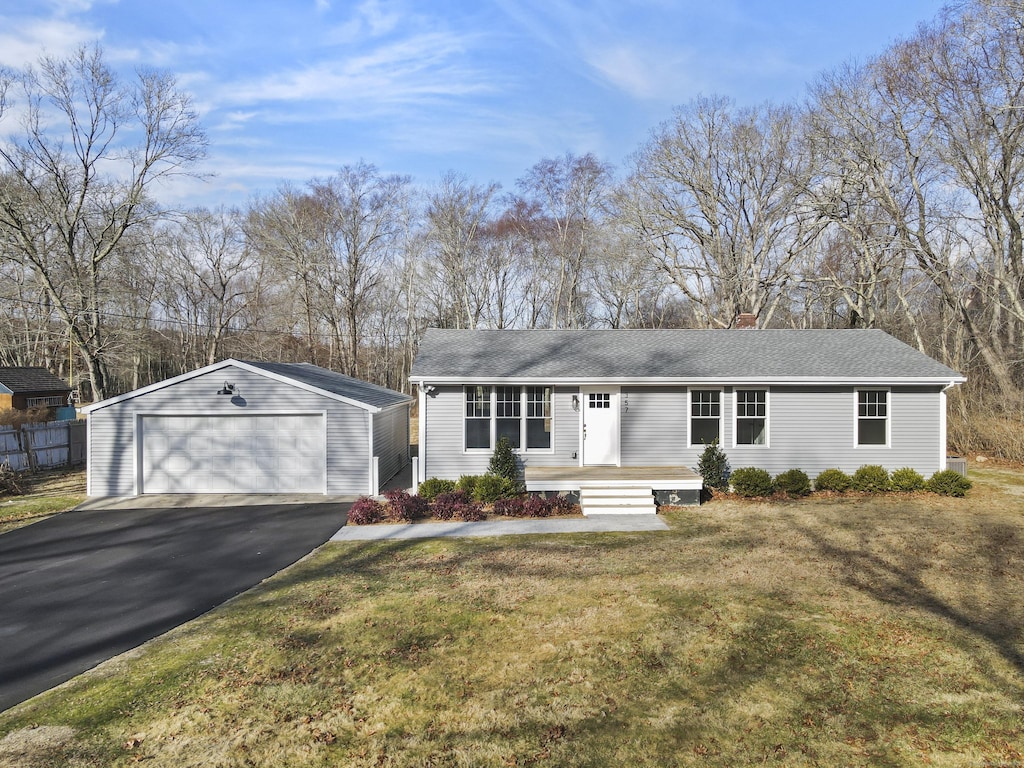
x=871 y=478
x=448 y=502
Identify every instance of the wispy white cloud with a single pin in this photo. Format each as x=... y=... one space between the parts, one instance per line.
x=24 y=40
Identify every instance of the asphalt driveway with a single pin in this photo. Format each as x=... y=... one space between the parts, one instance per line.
x=83 y=586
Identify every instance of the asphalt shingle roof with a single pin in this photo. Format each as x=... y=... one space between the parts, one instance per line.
x=20 y=380
x=673 y=354
x=335 y=383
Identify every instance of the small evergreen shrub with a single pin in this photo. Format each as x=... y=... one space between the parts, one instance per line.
x=403 y=507
x=536 y=506
x=510 y=507
x=871 y=478
x=467 y=484
x=432 y=486
x=832 y=480
x=490 y=488
x=714 y=467
x=948 y=482
x=793 y=483
x=751 y=482
x=365 y=511
x=503 y=461
x=907 y=480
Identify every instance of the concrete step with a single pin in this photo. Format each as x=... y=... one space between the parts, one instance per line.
x=596 y=499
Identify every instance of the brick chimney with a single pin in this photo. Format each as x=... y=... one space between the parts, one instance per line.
x=746 y=320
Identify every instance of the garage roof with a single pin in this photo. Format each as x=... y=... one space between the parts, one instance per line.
x=335 y=383
x=362 y=394
x=31 y=379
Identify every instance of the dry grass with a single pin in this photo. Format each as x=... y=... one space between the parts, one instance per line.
x=45 y=493
x=824 y=632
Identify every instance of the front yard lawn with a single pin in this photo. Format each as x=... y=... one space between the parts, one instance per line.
x=869 y=631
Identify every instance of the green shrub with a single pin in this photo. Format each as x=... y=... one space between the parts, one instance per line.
x=752 y=481
x=467 y=484
x=948 y=482
x=489 y=488
x=714 y=466
x=871 y=478
x=832 y=480
x=793 y=482
x=433 y=486
x=906 y=480
x=503 y=461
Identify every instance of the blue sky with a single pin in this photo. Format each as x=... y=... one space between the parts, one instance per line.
x=294 y=89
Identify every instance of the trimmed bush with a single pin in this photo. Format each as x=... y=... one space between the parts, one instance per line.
x=403 y=507
x=793 y=483
x=365 y=511
x=561 y=505
x=536 y=506
x=490 y=488
x=510 y=507
x=751 y=482
x=470 y=512
x=948 y=482
x=714 y=467
x=433 y=486
x=467 y=484
x=455 y=506
x=871 y=478
x=446 y=505
x=907 y=480
x=832 y=480
x=503 y=461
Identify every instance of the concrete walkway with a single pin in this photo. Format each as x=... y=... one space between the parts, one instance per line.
x=519 y=526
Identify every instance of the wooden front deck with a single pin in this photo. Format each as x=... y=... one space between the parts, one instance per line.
x=570 y=478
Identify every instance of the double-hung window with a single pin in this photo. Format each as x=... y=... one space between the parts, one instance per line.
x=751 y=417
x=705 y=416
x=478 y=417
x=872 y=417
x=523 y=415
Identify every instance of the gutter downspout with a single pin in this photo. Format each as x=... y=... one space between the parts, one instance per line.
x=943 y=463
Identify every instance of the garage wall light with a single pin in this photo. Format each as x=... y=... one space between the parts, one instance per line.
x=227 y=389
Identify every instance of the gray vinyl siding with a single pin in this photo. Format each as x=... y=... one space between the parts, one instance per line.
x=113 y=453
x=391 y=441
x=443 y=447
x=810 y=428
x=813 y=429
x=653 y=426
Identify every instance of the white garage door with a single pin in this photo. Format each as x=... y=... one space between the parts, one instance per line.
x=233 y=454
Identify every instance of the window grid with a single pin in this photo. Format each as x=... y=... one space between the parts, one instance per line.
x=493 y=412
x=478 y=402
x=706 y=403
x=872 y=417
x=750 y=403
x=751 y=417
x=600 y=400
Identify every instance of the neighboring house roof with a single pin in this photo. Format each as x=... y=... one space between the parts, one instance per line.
x=369 y=397
x=31 y=379
x=765 y=356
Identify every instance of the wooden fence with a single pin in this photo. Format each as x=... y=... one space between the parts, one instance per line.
x=43 y=446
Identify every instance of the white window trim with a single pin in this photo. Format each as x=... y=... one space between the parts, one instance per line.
x=689 y=415
x=494 y=420
x=767 y=417
x=856 y=417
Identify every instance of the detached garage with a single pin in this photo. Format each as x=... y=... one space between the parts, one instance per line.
x=247 y=427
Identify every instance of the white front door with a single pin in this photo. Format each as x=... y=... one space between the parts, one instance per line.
x=600 y=425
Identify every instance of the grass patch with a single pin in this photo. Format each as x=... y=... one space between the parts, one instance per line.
x=46 y=493
x=860 y=631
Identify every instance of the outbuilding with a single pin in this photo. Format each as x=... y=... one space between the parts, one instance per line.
x=250 y=428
